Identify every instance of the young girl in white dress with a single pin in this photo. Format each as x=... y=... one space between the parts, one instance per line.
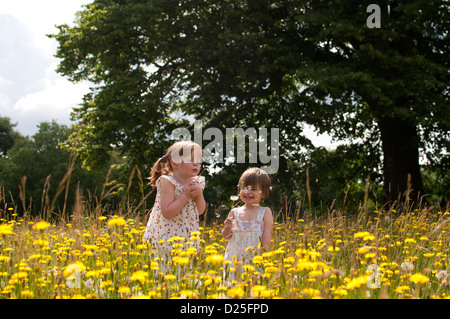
x=249 y=227
x=179 y=199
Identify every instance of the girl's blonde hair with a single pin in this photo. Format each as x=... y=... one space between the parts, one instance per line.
x=174 y=152
x=257 y=178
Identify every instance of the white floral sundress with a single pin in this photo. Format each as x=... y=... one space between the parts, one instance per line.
x=159 y=228
x=246 y=236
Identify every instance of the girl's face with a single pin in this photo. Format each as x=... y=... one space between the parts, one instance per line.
x=250 y=195
x=189 y=167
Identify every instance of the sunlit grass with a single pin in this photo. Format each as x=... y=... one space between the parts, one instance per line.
x=381 y=254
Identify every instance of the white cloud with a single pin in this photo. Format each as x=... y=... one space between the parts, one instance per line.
x=53 y=101
x=40 y=18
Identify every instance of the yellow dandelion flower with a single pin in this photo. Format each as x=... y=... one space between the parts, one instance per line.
x=271 y=269
x=188 y=294
x=363 y=250
x=92 y=273
x=124 y=290
x=6 y=229
x=19 y=275
x=180 y=260
x=27 y=294
x=154 y=265
x=4 y=258
x=140 y=276
x=6 y=290
x=41 y=242
x=257 y=260
x=356 y=282
x=258 y=290
x=340 y=292
x=311 y=292
x=116 y=221
x=235 y=292
x=368 y=237
x=41 y=225
x=419 y=279
x=401 y=289
x=191 y=251
x=249 y=268
x=313 y=254
x=361 y=234
x=214 y=259
x=170 y=277
x=369 y=255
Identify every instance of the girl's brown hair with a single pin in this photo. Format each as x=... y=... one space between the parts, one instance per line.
x=257 y=178
x=163 y=165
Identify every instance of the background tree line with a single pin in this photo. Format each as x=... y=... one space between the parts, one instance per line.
x=32 y=169
x=44 y=159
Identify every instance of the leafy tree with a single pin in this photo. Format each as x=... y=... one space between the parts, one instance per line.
x=264 y=64
x=7 y=135
x=437 y=185
x=339 y=175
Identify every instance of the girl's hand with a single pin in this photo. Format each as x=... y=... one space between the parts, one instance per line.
x=227 y=230
x=228 y=223
x=187 y=193
x=194 y=190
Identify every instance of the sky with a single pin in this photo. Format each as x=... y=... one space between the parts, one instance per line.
x=31 y=91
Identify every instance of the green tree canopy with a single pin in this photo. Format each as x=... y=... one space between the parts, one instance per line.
x=264 y=64
x=7 y=135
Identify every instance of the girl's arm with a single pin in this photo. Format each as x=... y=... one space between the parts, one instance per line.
x=197 y=194
x=171 y=207
x=268 y=227
x=226 y=230
x=201 y=204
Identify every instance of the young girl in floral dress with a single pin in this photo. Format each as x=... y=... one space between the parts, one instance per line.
x=179 y=199
x=249 y=227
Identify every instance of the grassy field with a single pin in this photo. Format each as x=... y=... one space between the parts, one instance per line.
x=376 y=254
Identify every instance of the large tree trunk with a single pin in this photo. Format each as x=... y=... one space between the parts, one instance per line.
x=400 y=144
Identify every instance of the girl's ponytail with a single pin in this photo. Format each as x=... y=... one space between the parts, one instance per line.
x=158 y=169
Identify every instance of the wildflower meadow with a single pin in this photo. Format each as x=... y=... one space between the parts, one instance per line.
x=395 y=253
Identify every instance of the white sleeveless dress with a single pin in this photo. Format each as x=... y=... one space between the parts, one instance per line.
x=246 y=236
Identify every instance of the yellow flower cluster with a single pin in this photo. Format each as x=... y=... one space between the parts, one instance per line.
x=403 y=255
